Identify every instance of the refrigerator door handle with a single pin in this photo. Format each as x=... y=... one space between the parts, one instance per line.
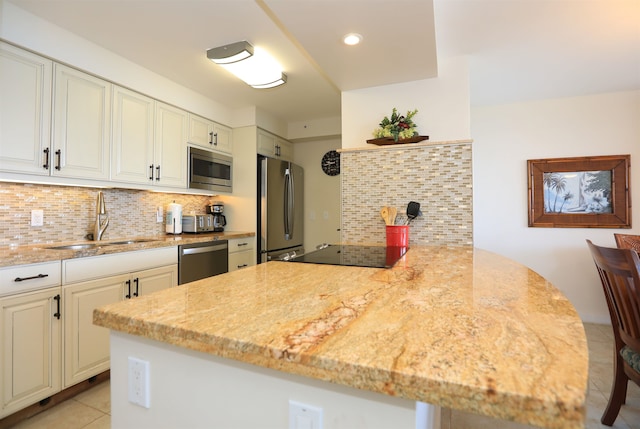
x=288 y=204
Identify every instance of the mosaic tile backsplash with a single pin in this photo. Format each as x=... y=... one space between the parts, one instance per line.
x=69 y=212
x=437 y=176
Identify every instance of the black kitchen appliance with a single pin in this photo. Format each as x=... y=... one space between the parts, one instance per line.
x=219 y=220
x=354 y=255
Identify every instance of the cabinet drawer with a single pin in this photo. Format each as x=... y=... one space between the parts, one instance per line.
x=240 y=260
x=23 y=278
x=75 y=270
x=240 y=244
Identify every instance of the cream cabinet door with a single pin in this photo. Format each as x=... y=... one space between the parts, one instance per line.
x=25 y=111
x=132 y=137
x=266 y=144
x=86 y=346
x=31 y=338
x=284 y=149
x=200 y=131
x=81 y=125
x=222 y=138
x=155 y=279
x=170 y=167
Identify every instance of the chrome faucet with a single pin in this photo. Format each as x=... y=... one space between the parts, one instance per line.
x=102 y=218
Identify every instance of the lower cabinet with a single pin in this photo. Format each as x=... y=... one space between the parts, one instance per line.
x=31 y=352
x=86 y=346
x=241 y=253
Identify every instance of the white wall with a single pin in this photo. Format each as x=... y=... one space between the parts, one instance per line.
x=505 y=137
x=322 y=194
x=442 y=103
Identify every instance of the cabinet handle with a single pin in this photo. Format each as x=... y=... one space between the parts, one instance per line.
x=59 y=159
x=215 y=143
x=136 y=282
x=128 y=295
x=277 y=150
x=242 y=244
x=242 y=266
x=151 y=172
x=57 y=313
x=46 y=159
x=39 y=276
x=157 y=173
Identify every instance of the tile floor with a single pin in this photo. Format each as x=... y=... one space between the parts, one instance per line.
x=90 y=409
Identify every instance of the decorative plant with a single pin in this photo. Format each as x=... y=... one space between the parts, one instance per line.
x=398 y=126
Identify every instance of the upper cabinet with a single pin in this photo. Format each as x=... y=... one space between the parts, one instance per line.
x=273 y=146
x=67 y=126
x=25 y=111
x=208 y=134
x=81 y=125
x=170 y=149
x=132 y=141
x=149 y=141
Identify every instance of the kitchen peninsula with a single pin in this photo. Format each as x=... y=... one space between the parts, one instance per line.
x=455 y=327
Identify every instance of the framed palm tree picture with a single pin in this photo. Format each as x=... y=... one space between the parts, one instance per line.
x=582 y=192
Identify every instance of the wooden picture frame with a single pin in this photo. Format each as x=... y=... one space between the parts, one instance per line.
x=582 y=192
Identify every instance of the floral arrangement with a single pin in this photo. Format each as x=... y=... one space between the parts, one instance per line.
x=398 y=126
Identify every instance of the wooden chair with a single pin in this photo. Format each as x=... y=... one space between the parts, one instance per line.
x=628 y=241
x=619 y=273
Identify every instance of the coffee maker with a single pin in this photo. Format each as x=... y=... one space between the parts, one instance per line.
x=219 y=221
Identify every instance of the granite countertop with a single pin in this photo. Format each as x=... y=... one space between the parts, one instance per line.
x=42 y=252
x=458 y=327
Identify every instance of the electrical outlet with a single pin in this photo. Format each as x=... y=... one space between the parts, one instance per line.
x=159 y=216
x=37 y=217
x=303 y=416
x=139 y=382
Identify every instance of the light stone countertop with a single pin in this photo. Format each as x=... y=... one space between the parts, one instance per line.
x=457 y=327
x=41 y=252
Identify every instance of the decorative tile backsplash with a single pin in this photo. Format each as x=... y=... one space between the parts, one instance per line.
x=69 y=212
x=438 y=176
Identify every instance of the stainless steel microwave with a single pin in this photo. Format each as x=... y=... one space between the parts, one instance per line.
x=210 y=170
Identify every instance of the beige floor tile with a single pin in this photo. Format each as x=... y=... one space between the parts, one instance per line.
x=103 y=422
x=69 y=415
x=97 y=397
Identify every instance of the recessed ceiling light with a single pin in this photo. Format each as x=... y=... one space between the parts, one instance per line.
x=352 y=39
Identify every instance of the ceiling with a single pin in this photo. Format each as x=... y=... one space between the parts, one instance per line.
x=517 y=49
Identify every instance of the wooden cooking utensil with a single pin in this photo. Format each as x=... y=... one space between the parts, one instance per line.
x=393 y=212
x=384 y=213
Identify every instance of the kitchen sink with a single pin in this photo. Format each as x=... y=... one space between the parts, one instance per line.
x=74 y=246
x=91 y=245
x=141 y=240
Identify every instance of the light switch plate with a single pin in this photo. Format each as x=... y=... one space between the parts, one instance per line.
x=303 y=416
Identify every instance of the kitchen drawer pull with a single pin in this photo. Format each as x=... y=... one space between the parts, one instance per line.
x=46 y=159
x=57 y=313
x=39 y=276
x=205 y=249
x=242 y=266
x=242 y=244
x=136 y=282
x=128 y=295
x=59 y=159
x=151 y=172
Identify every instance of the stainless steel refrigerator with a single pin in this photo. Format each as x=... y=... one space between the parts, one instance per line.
x=280 y=209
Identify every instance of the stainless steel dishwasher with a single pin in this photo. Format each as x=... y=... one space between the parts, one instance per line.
x=200 y=260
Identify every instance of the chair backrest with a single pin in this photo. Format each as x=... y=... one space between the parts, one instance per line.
x=628 y=241
x=619 y=271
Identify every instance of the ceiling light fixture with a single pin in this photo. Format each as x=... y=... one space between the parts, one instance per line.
x=253 y=65
x=352 y=39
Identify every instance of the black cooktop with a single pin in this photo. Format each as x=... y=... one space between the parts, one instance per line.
x=353 y=255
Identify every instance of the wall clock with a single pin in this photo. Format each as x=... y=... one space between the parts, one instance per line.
x=331 y=163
